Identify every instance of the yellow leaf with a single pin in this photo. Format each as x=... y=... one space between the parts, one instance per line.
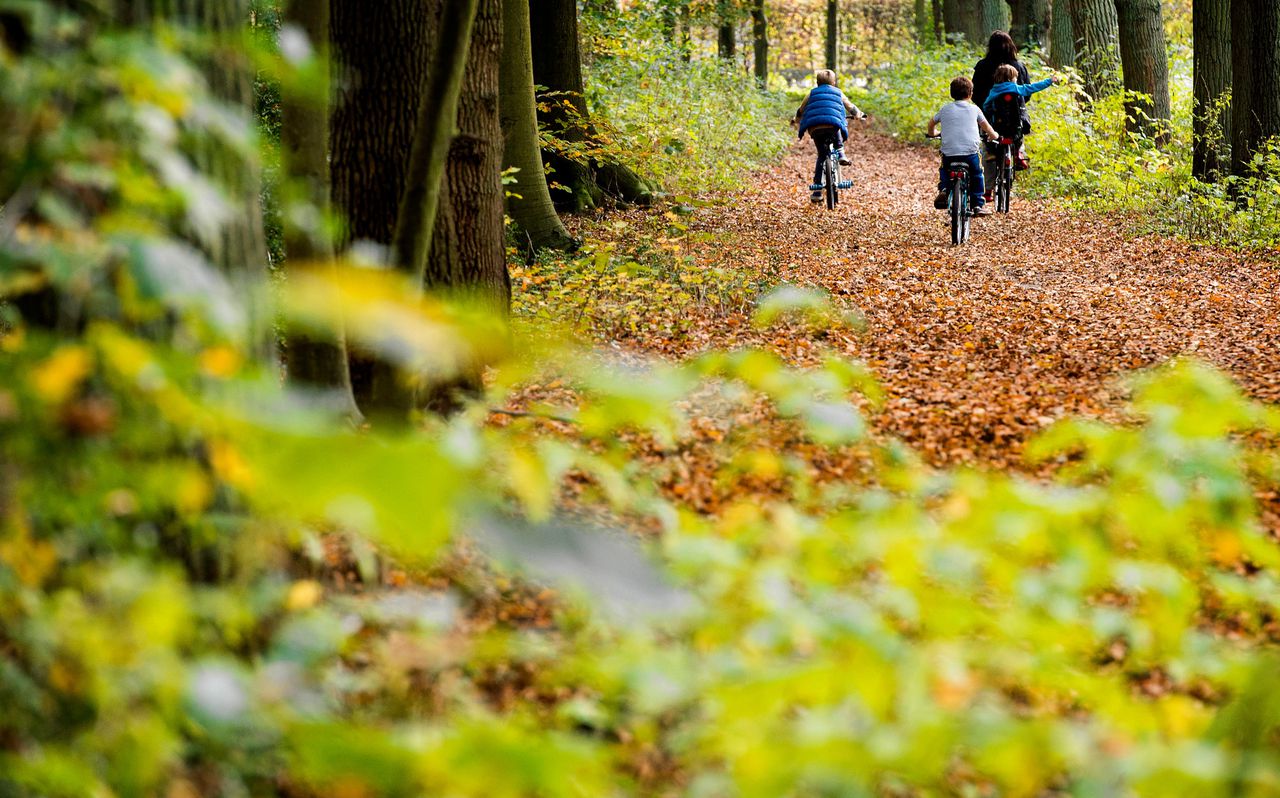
x=62 y=373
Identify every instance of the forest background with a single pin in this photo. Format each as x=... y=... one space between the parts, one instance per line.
x=345 y=450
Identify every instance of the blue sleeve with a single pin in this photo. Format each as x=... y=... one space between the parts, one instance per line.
x=1039 y=85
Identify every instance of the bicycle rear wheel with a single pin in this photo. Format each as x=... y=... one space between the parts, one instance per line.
x=1007 y=193
x=959 y=214
x=832 y=176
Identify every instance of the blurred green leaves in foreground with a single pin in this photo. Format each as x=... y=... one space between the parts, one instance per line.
x=167 y=507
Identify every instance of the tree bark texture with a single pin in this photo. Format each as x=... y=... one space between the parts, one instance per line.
x=1062 y=37
x=1029 y=22
x=1146 y=66
x=760 y=42
x=954 y=13
x=1097 y=48
x=532 y=210
x=939 y=32
x=921 y=10
x=564 y=112
x=992 y=15
x=1211 y=124
x=311 y=359
x=833 y=33
x=1255 y=78
x=468 y=255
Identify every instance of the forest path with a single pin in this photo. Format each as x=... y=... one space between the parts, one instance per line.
x=980 y=346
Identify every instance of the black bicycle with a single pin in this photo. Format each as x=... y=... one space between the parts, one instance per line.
x=958 y=202
x=1002 y=191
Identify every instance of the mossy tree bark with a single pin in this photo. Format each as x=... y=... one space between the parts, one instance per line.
x=311 y=360
x=726 y=37
x=1062 y=38
x=530 y=206
x=557 y=65
x=1029 y=22
x=1211 y=122
x=1255 y=78
x=239 y=246
x=1146 y=67
x=1097 y=51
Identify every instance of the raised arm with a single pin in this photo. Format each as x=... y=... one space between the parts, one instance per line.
x=850 y=108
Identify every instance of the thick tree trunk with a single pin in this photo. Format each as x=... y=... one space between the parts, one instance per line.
x=1062 y=37
x=726 y=39
x=833 y=32
x=922 y=22
x=1211 y=122
x=1029 y=22
x=1146 y=66
x=993 y=15
x=559 y=69
x=760 y=42
x=1096 y=31
x=468 y=254
x=531 y=207
x=312 y=360
x=955 y=17
x=1255 y=78
x=399 y=63
x=239 y=247
x=939 y=30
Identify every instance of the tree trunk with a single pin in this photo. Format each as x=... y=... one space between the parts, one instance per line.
x=1062 y=38
x=686 y=33
x=1255 y=78
x=566 y=115
x=1096 y=31
x=760 y=43
x=922 y=22
x=993 y=15
x=726 y=39
x=1029 y=22
x=1146 y=67
x=1211 y=121
x=955 y=15
x=531 y=209
x=312 y=360
x=939 y=32
x=239 y=246
x=468 y=253
x=833 y=32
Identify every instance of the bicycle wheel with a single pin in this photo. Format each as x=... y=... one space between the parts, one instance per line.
x=831 y=175
x=1007 y=193
x=958 y=214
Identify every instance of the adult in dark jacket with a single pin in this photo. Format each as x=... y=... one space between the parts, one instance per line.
x=1000 y=50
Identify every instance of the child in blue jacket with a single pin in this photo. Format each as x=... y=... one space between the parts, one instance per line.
x=1007 y=83
x=822 y=115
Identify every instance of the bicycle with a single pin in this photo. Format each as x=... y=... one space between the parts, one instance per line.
x=958 y=203
x=1002 y=191
x=832 y=184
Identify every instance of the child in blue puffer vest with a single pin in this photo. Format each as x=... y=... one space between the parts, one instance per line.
x=822 y=115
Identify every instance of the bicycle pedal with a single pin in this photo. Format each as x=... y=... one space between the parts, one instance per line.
x=845 y=184
x=816 y=187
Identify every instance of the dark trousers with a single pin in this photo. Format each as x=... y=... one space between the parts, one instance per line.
x=975 y=176
x=822 y=140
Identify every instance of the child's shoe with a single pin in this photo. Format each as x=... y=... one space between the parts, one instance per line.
x=940 y=201
x=815 y=196
x=844 y=160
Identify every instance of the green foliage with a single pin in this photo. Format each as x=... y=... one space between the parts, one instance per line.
x=169 y=513
x=694 y=125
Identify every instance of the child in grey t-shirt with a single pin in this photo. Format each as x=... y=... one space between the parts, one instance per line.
x=962 y=127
